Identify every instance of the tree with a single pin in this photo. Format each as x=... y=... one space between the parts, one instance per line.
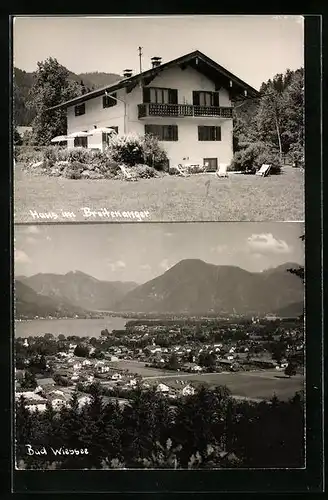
x=98 y=354
x=278 y=351
x=52 y=86
x=81 y=351
x=276 y=118
x=173 y=362
x=28 y=381
x=61 y=337
x=290 y=370
x=207 y=359
x=48 y=336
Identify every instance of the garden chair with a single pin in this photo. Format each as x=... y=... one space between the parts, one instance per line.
x=264 y=170
x=222 y=170
x=180 y=170
x=126 y=174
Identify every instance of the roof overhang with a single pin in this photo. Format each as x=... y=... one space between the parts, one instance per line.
x=196 y=60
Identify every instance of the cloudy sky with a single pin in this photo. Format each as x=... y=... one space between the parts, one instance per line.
x=254 y=48
x=140 y=252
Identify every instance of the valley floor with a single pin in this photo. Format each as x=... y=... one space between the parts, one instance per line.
x=261 y=384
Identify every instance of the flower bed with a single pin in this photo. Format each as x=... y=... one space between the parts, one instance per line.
x=142 y=157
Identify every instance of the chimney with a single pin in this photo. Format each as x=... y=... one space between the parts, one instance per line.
x=127 y=73
x=156 y=61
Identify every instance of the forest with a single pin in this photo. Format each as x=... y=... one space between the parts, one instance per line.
x=209 y=429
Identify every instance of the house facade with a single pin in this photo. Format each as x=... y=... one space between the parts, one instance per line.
x=186 y=103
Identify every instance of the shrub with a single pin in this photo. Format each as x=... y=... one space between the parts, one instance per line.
x=154 y=154
x=28 y=154
x=50 y=154
x=144 y=171
x=195 y=169
x=132 y=149
x=82 y=155
x=296 y=154
x=74 y=170
x=104 y=163
x=127 y=149
x=254 y=156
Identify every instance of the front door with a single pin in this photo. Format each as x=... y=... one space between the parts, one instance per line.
x=210 y=164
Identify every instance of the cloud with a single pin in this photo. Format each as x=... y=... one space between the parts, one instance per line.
x=48 y=238
x=145 y=267
x=32 y=230
x=168 y=234
x=30 y=240
x=117 y=265
x=267 y=243
x=21 y=257
x=164 y=264
x=220 y=248
x=257 y=256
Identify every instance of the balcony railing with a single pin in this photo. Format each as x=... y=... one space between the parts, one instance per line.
x=153 y=109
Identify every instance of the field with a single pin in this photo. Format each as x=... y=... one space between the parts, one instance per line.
x=252 y=385
x=169 y=198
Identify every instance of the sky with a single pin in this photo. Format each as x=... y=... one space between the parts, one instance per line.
x=141 y=251
x=254 y=48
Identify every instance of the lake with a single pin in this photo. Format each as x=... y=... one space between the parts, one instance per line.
x=79 y=327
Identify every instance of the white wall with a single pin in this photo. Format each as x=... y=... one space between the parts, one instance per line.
x=188 y=145
x=95 y=114
x=186 y=81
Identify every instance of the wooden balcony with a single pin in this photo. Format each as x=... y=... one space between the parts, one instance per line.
x=182 y=110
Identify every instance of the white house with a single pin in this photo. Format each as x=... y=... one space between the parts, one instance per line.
x=186 y=102
x=162 y=388
x=187 y=390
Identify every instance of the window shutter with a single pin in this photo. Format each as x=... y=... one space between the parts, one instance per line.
x=200 y=133
x=218 y=133
x=147 y=129
x=174 y=132
x=216 y=101
x=146 y=94
x=195 y=98
x=173 y=96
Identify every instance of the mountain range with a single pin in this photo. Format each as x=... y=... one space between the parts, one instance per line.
x=24 y=82
x=195 y=287
x=29 y=304
x=79 y=289
x=191 y=286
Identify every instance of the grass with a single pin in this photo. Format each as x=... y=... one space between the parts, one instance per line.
x=254 y=385
x=201 y=197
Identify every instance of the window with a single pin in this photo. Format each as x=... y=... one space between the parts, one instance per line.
x=201 y=98
x=108 y=101
x=163 y=132
x=209 y=133
x=160 y=95
x=80 y=109
x=80 y=142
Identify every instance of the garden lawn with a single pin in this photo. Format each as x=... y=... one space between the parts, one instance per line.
x=200 y=197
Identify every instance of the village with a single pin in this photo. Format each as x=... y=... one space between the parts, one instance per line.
x=173 y=357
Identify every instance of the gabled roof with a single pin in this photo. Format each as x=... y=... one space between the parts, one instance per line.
x=195 y=59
